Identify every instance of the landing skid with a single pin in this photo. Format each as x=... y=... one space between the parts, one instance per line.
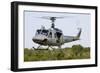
x=50 y=49
x=38 y=48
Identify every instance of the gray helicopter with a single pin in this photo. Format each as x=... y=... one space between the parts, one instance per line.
x=53 y=36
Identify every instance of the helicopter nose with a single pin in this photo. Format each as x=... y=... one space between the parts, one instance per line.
x=37 y=39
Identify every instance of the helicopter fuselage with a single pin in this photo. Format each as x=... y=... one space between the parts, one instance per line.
x=52 y=37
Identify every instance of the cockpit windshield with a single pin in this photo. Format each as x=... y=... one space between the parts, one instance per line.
x=43 y=32
x=38 y=31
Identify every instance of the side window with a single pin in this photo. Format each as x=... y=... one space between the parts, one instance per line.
x=59 y=35
x=50 y=35
x=55 y=35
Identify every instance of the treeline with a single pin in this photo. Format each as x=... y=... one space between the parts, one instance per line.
x=75 y=52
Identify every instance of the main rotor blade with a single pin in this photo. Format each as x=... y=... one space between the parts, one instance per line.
x=49 y=17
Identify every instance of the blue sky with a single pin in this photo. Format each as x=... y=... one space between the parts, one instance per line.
x=68 y=25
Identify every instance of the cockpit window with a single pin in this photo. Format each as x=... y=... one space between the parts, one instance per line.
x=38 y=31
x=44 y=32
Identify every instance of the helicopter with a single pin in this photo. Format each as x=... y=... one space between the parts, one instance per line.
x=53 y=36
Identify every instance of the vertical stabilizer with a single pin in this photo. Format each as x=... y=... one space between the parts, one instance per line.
x=78 y=35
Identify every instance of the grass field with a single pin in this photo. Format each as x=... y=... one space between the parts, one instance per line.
x=75 y=52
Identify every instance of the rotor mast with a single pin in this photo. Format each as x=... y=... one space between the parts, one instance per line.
x=52 y=21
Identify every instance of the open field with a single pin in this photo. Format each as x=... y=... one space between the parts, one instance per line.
x=74 y=52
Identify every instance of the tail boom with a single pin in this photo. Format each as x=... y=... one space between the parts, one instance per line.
x=72 y=38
